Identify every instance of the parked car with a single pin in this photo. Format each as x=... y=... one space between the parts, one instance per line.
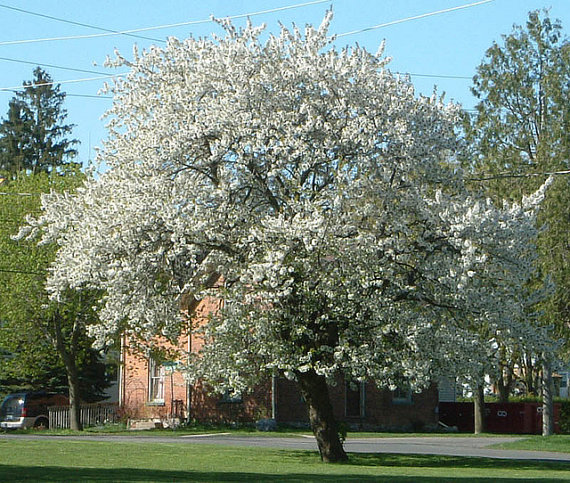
x=28 y=409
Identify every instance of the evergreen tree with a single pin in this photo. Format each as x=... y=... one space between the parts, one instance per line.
x=15 y=133
x=34 y=136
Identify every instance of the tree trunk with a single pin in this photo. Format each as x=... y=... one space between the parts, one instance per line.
x=70 y=362
x=504 y=389
x=74 y=400
x=316 y=393
x=547 y=399
x=529 y=375
x=506 y=379
x=479 y=409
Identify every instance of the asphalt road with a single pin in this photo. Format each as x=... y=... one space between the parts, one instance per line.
x=452 y=446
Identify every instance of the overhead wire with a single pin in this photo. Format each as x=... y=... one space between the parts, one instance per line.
x=89 y=79
x=160 y=27
x=415 y=17
x=24 y=272
x=506 y=175
x=70 y=81
x=54 y=66
x=72 y=22
x=51 y=66
x=229 y=17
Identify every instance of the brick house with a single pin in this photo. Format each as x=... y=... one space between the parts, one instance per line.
x=157 y=392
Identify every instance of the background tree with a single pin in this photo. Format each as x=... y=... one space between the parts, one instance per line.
x=318 y=187
x=520 y=132
x=44 y=343
x=34 y=137
x=15 y=133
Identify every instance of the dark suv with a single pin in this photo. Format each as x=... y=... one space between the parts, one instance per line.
x=28 y=409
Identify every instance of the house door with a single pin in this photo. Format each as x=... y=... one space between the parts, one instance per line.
x=355 y=397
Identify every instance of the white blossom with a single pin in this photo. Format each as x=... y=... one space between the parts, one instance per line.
x=319 y=187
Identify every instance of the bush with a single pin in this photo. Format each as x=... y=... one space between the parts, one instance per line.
x=564 y=418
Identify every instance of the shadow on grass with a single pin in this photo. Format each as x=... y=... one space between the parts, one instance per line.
x=442 y=461
x=366 y=462
x=58 y=474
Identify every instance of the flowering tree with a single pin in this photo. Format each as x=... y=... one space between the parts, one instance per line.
x=317 y=186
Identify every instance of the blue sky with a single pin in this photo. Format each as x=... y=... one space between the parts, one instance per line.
x=430 y=48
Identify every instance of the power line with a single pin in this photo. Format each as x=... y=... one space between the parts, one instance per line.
x=70 y=81
x=513 y=175
x=52 y=66
x=437 y=76
x=75 y=23
x=67 y=94
x=159 y=27
x=3 y=193
x=89 y=79
x=25 y=272
x=416 y=17
x=89 y=96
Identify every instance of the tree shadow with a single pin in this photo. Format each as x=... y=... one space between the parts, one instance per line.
x=444 y=461
x=59 y=473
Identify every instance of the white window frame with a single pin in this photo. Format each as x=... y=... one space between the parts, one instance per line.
x=402 y=395
x=156 y=380
x=361 y=388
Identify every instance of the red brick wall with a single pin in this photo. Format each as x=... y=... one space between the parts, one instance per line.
x=254 y=405
x=380 y=411
x=203 y=404
x=135 y=391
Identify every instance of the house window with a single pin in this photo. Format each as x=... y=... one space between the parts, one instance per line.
x=355 y=395
x=155 y=382
x=231 y=397
x=402 y=395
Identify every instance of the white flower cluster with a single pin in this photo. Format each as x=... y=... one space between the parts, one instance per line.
x=310 y=180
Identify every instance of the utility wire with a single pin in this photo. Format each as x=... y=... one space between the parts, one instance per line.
x=71 y=81
x=483 y=178
x=89 y=79
x=28 y=12
x=513 y=175
x=416 y=17
x=4 y=193
x=25 y=272
x=67 y=94
x=89 y=96
x=437 y=76
x=159 y=27
x=52 y=66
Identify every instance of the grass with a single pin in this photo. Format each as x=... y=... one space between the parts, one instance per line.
x=90 y=461
x=558 y=443
x=120 y=430
x=244 y=430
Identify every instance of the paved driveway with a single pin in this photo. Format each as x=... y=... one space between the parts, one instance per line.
x=452 y=446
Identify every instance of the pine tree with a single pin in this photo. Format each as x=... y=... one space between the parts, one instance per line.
x=34 y=137
x=14 y=139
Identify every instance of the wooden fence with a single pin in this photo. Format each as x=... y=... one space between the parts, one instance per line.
x=91 y=415
x=512 y=418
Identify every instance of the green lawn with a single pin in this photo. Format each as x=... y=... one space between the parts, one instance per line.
x=559 y=443
x=85 y=461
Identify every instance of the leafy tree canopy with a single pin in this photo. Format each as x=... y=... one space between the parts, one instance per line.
x=520 y=131
x=29 y=358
